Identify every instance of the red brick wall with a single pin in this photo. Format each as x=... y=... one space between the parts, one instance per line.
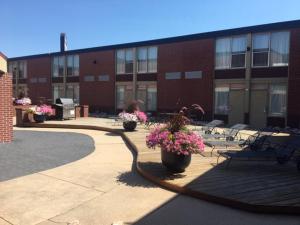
x=38 y=68
x=182 y=57
x=99 y=95
x=6 y=109
x=294 y=79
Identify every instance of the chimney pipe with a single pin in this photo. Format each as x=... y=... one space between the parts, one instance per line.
x=63 y=42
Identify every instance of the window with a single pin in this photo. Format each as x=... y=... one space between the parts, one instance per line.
x=152 y=59
x=72 y=91
x=89 y=78
x=193 y=75
x=221 y=100
x=120 y=97
x=173 y=75
x=231 y=52
x=20 y=90
x=58 y=92
x=120 y=61
x=146 y=59
x=72 y=65
x=277 y=103
x=142 y=60
x=223 y=53
x=151 y=98
x=261 y=50
x=61 y=66
x=124 y=61
x=70 y=62
x=18 y=69
x=280 y=49
x=238 y=50
x=271 y=49
x=128 y=61
x=104 y=77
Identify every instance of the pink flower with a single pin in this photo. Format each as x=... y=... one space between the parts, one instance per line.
x=142 y=117
x=182 y=142
x=44 y=110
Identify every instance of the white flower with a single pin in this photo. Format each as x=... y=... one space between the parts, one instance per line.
x=128 y=117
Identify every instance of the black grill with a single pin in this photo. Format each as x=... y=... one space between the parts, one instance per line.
x=64 y=108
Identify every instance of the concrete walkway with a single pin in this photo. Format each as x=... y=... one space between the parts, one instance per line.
x=103 y=188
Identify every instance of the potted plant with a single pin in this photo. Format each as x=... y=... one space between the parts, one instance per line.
x=39 y=113
x=177 y=143
x=129 y=120
x=131 y=116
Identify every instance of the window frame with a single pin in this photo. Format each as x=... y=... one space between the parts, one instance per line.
x=279 y=115
x=231 y=53
x=125 y=58
x=215 y=99
x=269 y=50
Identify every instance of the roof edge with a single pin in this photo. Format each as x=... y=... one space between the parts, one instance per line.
x=211 y=34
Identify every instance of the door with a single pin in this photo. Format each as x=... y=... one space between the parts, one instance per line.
x=236 y=107
x=258 y=108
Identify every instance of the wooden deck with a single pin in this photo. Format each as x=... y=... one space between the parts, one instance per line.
x=255 y=186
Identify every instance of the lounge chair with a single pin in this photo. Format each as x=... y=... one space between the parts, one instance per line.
x=253 y=141
x=209 y=127
x=229 y=134
x=282 y=153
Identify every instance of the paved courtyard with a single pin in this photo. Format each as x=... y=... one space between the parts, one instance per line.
x=100 y=186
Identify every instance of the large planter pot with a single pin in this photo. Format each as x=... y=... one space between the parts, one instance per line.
x=175 y=163
x=39 y=118
x=129 y=125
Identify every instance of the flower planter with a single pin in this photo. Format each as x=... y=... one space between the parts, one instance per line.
x=39 y=118
x=174 y=162
x=129 y=125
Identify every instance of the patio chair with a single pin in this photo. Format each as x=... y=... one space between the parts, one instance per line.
x=254 y=141
x=229 y=134
x=282 y=153
x=209 y=127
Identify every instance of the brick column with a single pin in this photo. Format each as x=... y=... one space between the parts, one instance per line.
x=6 y=109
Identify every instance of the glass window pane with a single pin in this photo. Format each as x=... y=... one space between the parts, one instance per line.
x=128 y=61
x=76 y=65
x=58 y=92
x=70 y=65
x=221 y=100
x=238 y=61
x=21 y=69
x=239 y=44
x=120 y=61
x=55 y=67
x=277 y=100
x=151 y=98
x=120 y=97
x=260 y=42
x=61 y=66
x=152 y=59
x=280 y=48
x=223 y=53
x=260 y=58
x=142 y=60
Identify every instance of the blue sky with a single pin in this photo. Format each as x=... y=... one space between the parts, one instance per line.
x=33 y=26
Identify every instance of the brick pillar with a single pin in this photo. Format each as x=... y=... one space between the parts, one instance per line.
x=6 y=109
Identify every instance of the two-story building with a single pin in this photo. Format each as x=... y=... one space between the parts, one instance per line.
x=243 y=75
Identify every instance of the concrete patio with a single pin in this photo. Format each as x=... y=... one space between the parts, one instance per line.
x=104 y=187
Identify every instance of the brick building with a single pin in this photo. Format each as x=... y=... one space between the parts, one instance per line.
x=248 y=74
